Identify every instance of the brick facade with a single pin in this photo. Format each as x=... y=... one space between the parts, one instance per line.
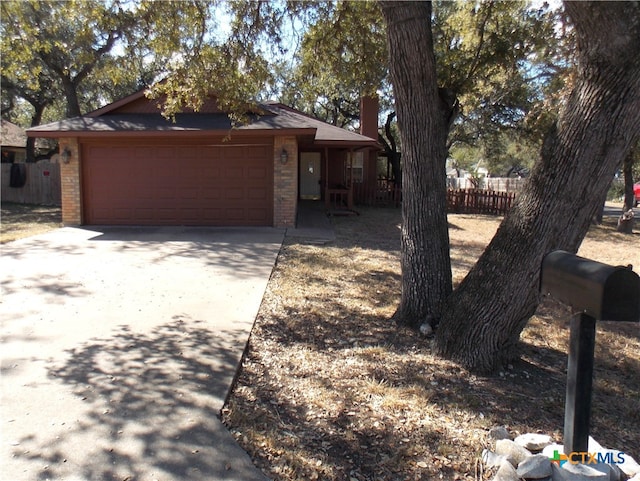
x=285 y=182
x=71 y=183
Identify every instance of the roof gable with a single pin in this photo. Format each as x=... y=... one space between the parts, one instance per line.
x=139 y=103
x=139 y=115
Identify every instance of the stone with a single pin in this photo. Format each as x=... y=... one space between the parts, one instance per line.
x=491 y=459
x=535 y=467
x=594 y=446
x=630 y=467
x=512 y=451
x=611 y=465
x=613 y=472
x=506 y=472
x=499 y=432
x=549 y=451
x=426 y=329
x=533 y=441
x=577 y=472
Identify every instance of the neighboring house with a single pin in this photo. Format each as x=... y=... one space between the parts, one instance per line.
x=125 y=164
x=14 y=142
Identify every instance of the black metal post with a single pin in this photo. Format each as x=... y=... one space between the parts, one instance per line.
x=579 y=382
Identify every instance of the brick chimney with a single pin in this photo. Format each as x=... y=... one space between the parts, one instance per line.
x=369 y=107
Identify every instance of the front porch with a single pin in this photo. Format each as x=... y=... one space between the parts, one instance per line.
x=343 y=178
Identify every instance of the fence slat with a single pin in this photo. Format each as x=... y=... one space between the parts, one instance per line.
x=42 y=186
x=475 y=201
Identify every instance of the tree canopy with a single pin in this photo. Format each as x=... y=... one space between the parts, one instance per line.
x=319 y=56
x=90 y=52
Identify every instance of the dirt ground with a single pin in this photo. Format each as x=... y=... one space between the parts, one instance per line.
x=24 y=220
x=330 y=389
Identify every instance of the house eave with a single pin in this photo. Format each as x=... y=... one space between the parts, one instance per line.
x=61 y=134
x=357 y=145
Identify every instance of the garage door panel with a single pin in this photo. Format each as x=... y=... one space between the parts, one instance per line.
x=257 y=194
x=234 y=173
x=181 y=185
x=234 y=153
x=256 y=172
x=256 y=214
x=235 y=214
x=233 y=194
x=145 y=214
x=188 y=194
x=211 y=173
x=190 y=214
x=122 y=213
x=164 y=153
x=187 y=153
x=209 y=194
x=163 y=194
x=213 y=215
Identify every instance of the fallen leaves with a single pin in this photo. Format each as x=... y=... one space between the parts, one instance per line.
x=330 y=389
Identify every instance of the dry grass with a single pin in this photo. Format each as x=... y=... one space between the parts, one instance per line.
x=24 y=220
x=330 y=389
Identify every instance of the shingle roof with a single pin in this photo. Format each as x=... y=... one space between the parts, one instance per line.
x=12 y=135
x=277 y=117
x=324 y=131
x=146 y=122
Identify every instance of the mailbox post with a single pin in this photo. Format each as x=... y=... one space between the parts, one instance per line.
x=577 y=406
x=598 y=292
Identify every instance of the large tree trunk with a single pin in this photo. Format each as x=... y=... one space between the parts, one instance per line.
x=423 y=122
x=36 y=119
x=483 y=319
x=71 y=94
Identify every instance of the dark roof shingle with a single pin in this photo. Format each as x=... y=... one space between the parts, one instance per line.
x=278 y=117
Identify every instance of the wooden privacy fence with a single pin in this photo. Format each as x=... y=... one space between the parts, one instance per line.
x=41 y=183
x=459 y=201
x=475 y=201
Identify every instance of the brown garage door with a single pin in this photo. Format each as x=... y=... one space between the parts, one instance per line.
x=177 y=185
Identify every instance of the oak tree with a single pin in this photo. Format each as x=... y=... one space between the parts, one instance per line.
x=596 y=128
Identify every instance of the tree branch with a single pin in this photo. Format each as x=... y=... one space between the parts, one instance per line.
x=475 y=63
x=387 y=130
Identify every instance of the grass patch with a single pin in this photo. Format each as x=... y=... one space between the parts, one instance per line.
x=330 y=389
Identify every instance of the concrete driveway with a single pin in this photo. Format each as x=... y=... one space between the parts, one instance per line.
x=119 y=347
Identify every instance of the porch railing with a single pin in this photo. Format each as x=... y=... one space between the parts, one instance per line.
x=383 y=193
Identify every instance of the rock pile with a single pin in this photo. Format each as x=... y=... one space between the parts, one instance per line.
x=535 y=457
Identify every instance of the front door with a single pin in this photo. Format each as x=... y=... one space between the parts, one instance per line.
x=310 y=164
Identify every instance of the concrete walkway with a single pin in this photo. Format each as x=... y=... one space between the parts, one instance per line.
x=119 y=347
x=312 y=224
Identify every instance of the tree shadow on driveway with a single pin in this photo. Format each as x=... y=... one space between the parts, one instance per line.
x=140 y=406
